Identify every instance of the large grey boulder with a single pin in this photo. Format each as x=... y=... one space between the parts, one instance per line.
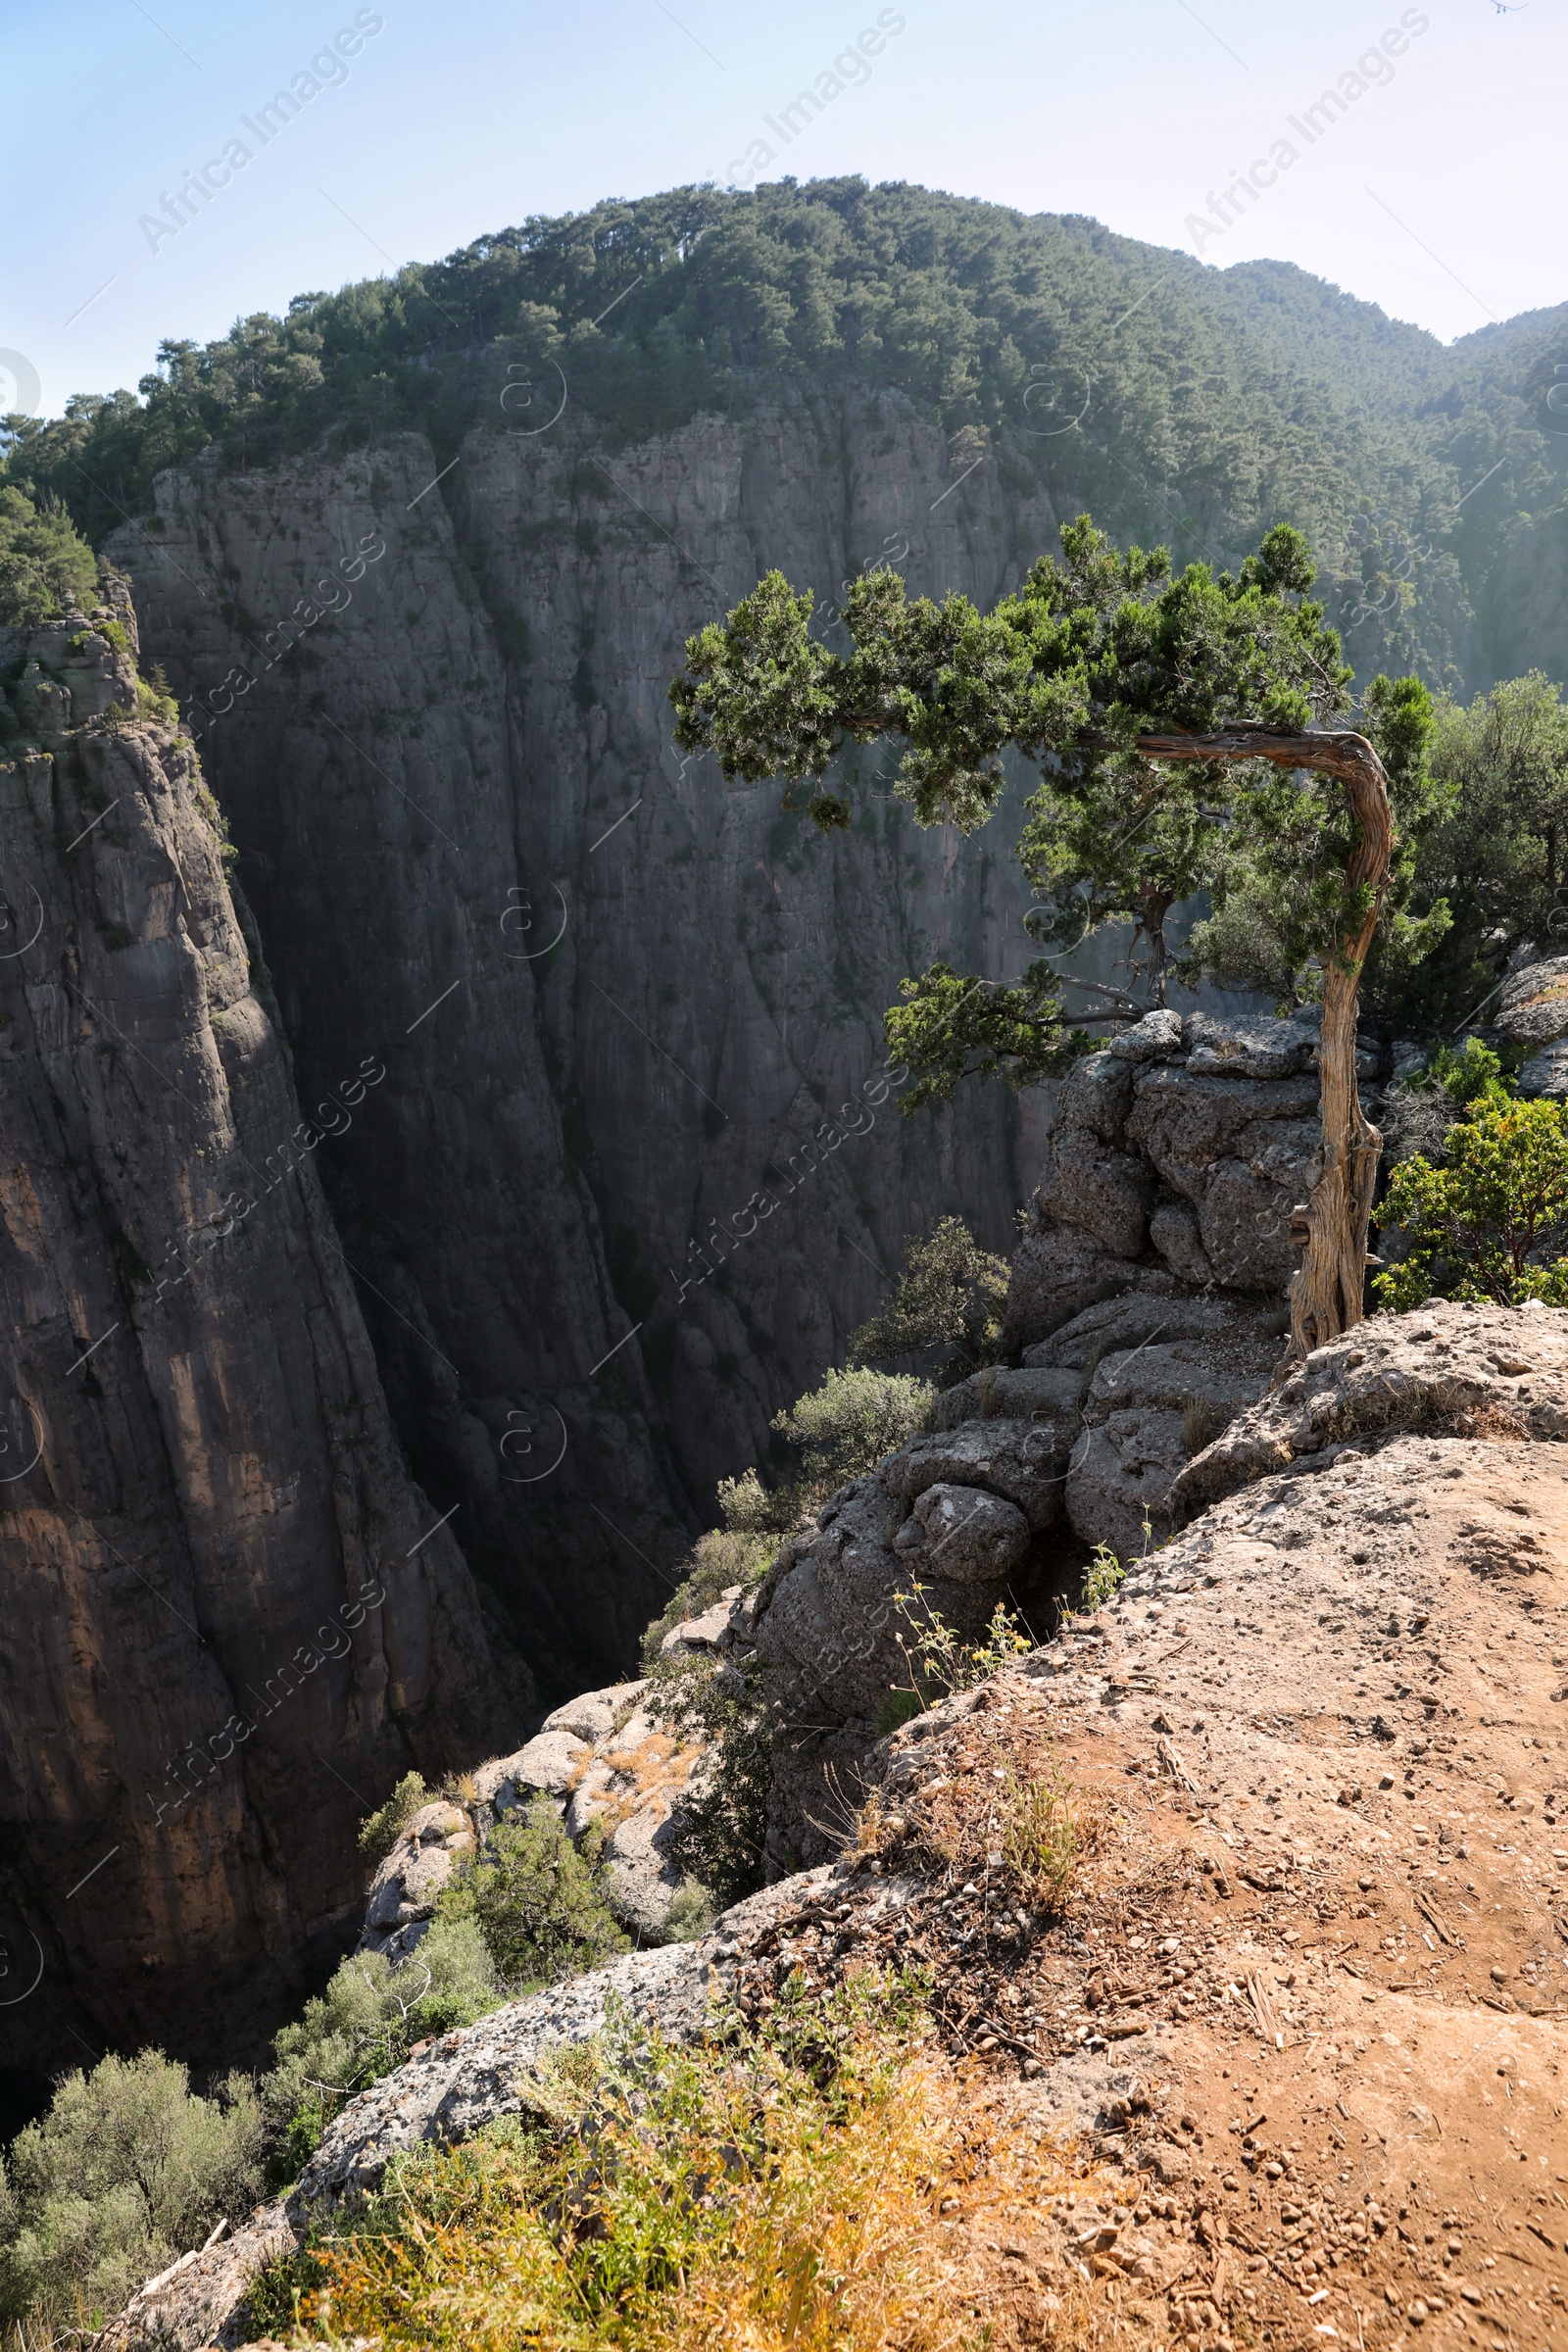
x=1175 y=1232
x=1251 y=1044
x=1059 y=1271
x=827 y=1617
x=1156 y=1037
x=1533 y=1006
x=1547 y=1071
x=1120 y=1474
x=1458 y=1369
x=962 y=1534
x=1096 y=1095
x=1238 y=1150
x=1022 y=1462
x=1161 y=1385
x=1103 y=1191
x=1131 y=1321
x=408 y=1881
x=1004 y=1394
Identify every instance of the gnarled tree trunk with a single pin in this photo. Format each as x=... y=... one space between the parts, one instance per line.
x=1152 y=923
x=1329 y=1287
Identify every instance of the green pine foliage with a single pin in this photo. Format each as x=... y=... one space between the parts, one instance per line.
x=952 y=1025
x=1093 y=368
x=1495 y=859
x=46 y=567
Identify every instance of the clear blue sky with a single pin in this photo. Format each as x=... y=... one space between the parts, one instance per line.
x=1436 y=194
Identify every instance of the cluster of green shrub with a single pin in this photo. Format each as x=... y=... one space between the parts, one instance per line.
x=130 y=2167
x=1482 y=1211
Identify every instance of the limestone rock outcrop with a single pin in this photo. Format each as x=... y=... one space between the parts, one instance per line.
x=1531 y=1009
x=231 y=1620
x=604 y=1761
x=1456 y=1368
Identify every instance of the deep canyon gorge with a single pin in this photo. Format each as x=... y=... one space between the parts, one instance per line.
x=444 y=1124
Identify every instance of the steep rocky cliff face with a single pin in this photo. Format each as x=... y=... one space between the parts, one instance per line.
x=231 y=1618
x=621 y=1002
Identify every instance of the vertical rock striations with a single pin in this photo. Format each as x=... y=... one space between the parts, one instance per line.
x=661 y=990
x=230 y=1620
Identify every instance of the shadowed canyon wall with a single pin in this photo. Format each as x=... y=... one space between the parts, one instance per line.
x=228 y=1625
x=617 y=996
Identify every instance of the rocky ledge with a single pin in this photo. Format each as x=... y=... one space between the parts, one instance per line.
x=1301 y=2028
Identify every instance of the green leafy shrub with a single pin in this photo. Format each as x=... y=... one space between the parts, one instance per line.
x=537 y=1900
x=948 y=1295
x=691 y=1914
x=380 y=1831
x=723 y=1823
x=750 y=1508
x=46 y=567
x=845 y=1427
x=364 y=2025
x=1492 y=1221
x=126 y=2169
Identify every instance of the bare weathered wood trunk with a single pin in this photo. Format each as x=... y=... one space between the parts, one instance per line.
x=1328 y=1290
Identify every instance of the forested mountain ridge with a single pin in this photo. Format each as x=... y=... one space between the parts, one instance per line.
x=1169 y=397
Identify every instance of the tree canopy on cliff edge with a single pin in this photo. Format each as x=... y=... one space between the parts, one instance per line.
x=1122 y=680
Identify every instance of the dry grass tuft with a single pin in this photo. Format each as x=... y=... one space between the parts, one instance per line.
x=1046 y=1831
x=828 y=2188
x=1202 y=1420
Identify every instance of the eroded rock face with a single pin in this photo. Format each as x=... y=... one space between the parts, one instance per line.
x=230 y=1620
x=1533 y=1006
x=1176 y=1156
x=1451 y=1369
x=558 y=1134
x=1150 y=1405
x=409 y=1879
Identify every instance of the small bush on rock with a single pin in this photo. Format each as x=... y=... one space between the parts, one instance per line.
x=950 y=1296
x=538 y=1902
x=724 y=1556
x=126 y=2169
x=364 y=2025
x=940 y=1660
x=380 y=1831
x=845 y=1427
x=1492 y=1221
x=719 y=1838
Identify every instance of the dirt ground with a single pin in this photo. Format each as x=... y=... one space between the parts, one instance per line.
x=1303 y=2019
